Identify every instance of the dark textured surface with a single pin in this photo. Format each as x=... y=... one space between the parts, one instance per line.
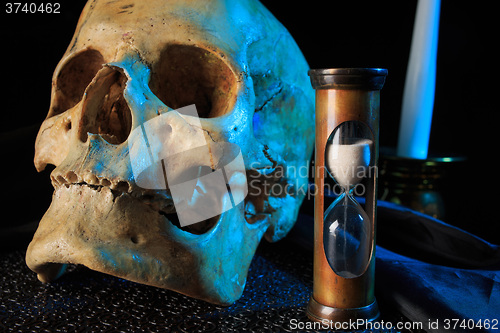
x=278 y=289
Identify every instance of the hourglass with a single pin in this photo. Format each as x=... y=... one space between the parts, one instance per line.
x=347 y=117
x=346 y=227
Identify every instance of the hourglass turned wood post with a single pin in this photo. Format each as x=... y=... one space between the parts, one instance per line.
x=347 y=129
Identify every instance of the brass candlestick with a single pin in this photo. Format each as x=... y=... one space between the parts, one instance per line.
x=418 y=183
x=347 y=126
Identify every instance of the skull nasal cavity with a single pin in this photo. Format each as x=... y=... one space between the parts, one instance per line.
x=105 y=110
x=188 y=75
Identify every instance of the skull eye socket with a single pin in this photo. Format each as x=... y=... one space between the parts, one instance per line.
x=188 y=75
x=73 y=79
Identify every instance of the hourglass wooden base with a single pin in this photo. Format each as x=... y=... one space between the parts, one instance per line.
x=321 y=313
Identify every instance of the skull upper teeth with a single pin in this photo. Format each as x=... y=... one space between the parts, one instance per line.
x=72 y=178
x=159 y=200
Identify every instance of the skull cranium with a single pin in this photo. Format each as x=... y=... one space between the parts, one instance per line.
x=133 y=61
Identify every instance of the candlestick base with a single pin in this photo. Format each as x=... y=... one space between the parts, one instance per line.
x=415 y=183
x=330 y=316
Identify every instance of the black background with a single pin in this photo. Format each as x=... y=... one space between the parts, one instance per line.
x=330 y=34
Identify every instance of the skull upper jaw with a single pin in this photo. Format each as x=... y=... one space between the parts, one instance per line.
x=133 y=241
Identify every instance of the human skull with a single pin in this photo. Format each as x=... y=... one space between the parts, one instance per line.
x=133 y=61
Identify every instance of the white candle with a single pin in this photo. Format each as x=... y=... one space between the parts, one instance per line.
x=418 y=96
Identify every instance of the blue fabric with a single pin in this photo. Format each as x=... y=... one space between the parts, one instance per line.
x=427 y=293
x=422 y=237
x=461 y=294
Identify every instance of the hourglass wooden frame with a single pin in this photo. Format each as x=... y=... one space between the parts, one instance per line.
x=344 y=94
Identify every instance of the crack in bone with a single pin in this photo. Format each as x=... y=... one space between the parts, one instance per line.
x=268 y=156
x=271 y=98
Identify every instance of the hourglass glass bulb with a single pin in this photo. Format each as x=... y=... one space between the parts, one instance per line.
x=347 y=162
x=347 y=227
x=346 y=237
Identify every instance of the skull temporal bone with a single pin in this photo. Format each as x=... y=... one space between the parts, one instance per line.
x=131 y=61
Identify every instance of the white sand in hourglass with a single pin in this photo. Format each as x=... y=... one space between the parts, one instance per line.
x=348 y=162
